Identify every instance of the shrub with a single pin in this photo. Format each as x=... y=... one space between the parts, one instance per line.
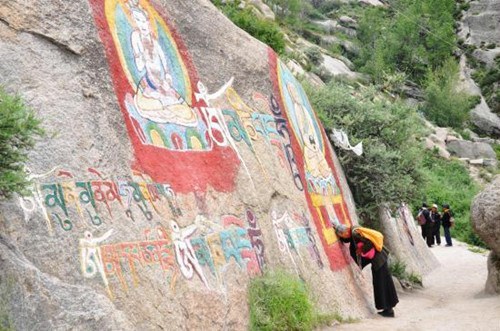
x=314 y=55
x=264 y=30
x=388 y=170
x=281 y=301
x=444 y=104
x=18 y=130
x=411 y=36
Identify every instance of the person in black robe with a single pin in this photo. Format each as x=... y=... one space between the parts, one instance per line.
x=363 y=252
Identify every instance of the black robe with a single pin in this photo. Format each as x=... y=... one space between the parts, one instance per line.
x=384 y=290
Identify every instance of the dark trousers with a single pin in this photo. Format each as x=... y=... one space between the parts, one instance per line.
x=429 y=233
x=437 y=232
x=447 y=235
x=384 y=290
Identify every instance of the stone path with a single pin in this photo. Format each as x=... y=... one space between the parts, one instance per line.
x=453 y=298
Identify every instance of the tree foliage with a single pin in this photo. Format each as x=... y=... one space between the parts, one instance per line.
x=18 y=129
x=264 y=30
x=444 y=104
x=411 y=36
x=388 y=170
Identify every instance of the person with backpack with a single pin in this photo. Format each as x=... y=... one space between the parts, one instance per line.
x=448 y=222
x=425 y=221
x=436 y=224
x=367 y=246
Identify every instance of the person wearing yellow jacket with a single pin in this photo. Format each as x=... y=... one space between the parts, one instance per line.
x=366 y=246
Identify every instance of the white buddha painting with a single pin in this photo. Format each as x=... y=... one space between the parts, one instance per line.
x=156 y=98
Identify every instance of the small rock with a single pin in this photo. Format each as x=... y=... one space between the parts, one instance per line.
x=476 y=162
x=348 y=21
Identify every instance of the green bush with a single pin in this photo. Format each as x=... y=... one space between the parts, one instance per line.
x=264 y=30
x=411 y=36
x=444 y=105
x=388 y=170
x=18 y=129
x=281 y=301
x=496 y=148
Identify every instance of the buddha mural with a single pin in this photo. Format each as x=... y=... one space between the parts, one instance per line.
x=159 y=98
x=156 y=98
x=321 y=183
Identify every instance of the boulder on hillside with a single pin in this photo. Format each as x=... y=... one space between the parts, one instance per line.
x=471 y=150
x=486 y=121
x=375 y=3
x=263 y=9
x=337 y=68
x=487 y=56
x=330 y=26
x=348 y=22
x=485 y=217
x=431 y=143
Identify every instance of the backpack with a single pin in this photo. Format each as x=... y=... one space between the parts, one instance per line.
x=374 y=236
x=421 y=217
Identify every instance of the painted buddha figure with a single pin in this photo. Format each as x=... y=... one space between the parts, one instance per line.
x=315 y=163
x=156 y=98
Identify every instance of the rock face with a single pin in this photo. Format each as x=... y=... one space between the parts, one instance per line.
x=485 y=120
x=182 y=159
x=471 y=150
x=404 y=240
x=479 y=26
x=493 y=282
x=337 y=68
x=481 y=22
x=485 y=216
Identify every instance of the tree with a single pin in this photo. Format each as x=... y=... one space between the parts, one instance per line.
x=18 y=129
x=389 y=169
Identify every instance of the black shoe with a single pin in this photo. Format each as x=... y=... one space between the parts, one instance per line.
x=448 y=245
x=387 y=312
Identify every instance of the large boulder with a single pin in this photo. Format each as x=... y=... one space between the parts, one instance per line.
x=471 y=150
x=485 y=120
x=403 y=238
x=493 y=281
x=336 y=67
x=485 y=217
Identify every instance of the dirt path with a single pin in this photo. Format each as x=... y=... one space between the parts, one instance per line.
x=453 y=298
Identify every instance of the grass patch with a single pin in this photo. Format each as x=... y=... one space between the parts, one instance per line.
x=496 y=148
x=264 y=30
x=476 y=249
x=281 y=301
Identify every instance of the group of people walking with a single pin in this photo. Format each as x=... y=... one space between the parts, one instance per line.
x=431 y=222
